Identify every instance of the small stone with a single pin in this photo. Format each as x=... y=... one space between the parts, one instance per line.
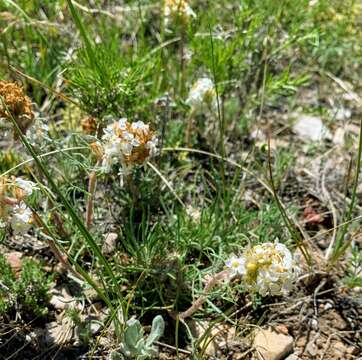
x=301 y=342
x=282 y=329
x=91 y=295
x=271 y=345
x=109 y=244
x=341 y=113
x=338 y=137
x=14 y=260
x=311 y=349
x=314 y=324
x=309 y=127
x=292 y=357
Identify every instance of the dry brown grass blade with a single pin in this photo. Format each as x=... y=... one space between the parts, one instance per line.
x=167 y=183
x=231 y=162
x=41 y=84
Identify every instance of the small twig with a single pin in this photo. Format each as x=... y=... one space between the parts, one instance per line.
x=345 y=87
x=166 y=182
x=200 y=301
x=165 y=121
x=93 y=11
x=315 y=294
x=173 y=348
x=326 y=346
x=60 y=224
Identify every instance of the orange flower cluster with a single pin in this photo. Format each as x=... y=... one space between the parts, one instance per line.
x=17 y=104
x=127 y=143
x=142 y=135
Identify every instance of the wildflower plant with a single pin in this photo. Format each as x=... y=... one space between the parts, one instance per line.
x=163 y=250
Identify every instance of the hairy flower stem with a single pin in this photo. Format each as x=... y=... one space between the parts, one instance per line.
x=132 y=188
x=59 y=224
x=62 y=258
x=91 y=189
x=189 y=129
x=200 y=301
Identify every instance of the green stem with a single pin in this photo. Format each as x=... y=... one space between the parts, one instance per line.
x=339 y=247
x=220 y=117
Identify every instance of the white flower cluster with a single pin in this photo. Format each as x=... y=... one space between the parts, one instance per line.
x=202 y=93
x=128 y=144
x=268 y=268
x=13 y=210
x=177 y=10
x=21 y=218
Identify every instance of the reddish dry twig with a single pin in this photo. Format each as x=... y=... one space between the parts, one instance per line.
x=62 y=258
x=200 y=301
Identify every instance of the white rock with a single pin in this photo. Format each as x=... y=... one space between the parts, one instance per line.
x=110 y=243
x=292 y=357
x=338 y=137
x=309 y=127
x=341 y=114
x=270 y=345
x=311 y=349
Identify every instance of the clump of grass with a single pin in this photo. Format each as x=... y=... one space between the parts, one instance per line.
x=111 y=88
x=353 y=276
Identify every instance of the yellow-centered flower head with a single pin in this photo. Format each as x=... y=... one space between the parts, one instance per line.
x=267 y=268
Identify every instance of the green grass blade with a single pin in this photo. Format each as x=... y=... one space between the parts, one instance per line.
x=87 y=42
